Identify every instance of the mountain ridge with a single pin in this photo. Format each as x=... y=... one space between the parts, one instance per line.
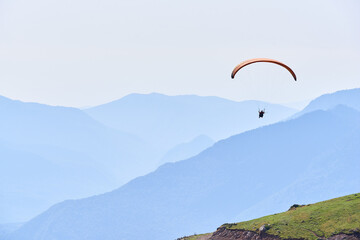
x=157 y=117
x=347 y=97
x=150 y=201
x=66 y=146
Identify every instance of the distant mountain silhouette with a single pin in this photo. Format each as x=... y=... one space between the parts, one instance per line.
x=5 y=229
x=188 y=149
x=350 y=98
x=49 y=154
x=336 y=168
x=315 y=156
x=167 y=121
x=54 y=153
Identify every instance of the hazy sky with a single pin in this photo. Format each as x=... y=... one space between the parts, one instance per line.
x=88 y=52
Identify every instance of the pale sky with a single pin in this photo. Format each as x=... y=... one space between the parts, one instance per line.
x=88 y=52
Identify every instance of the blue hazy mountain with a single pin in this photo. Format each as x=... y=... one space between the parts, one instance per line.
x=316 y=155
x=188 y=149
x=332 y=167
x=6 y=229
x=49 y=154
x=30 y=183
x=350 y=98
x=167 y=121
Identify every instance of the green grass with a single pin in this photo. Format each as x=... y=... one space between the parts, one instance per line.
x=314 y=221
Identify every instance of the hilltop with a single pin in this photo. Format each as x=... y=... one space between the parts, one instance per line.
x=337 y=218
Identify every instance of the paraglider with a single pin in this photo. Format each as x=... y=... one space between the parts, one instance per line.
x=256 y=60
x=261 y=113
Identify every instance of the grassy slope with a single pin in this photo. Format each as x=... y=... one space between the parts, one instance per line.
x=313 y=221
x=323 y=219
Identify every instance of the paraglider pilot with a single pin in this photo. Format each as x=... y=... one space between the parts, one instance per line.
x=261 y=113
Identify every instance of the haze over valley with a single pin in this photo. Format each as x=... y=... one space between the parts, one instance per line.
x=309 y=157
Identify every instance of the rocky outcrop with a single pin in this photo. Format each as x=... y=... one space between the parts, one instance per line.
x=354 y=236
x=223 y=233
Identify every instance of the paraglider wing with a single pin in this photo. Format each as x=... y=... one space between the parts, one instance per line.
x=255 y=60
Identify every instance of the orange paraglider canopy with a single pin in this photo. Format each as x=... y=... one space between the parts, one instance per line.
x=255 y=60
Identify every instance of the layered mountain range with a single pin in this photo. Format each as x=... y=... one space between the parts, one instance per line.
x=49 y=154
x=309 y=158
x=167 y=121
